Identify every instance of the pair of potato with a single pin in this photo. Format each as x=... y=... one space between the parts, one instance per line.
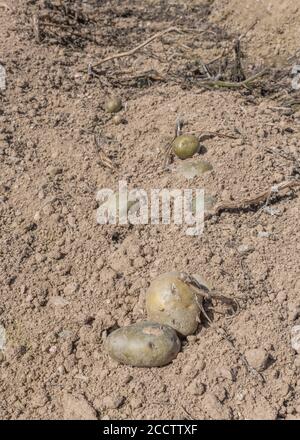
x=172 y=306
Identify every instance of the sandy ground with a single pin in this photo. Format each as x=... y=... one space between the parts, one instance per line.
x=66 y=282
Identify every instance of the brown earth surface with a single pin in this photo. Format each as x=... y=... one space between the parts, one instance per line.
x=66 y=282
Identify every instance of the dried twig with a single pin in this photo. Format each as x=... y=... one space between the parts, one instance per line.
x=233 y=85
x=238 y=72
x=178 y=131
x=203 y=292
x=36 y=28
x=102 y=156
x=260 y=198
x=132 y=51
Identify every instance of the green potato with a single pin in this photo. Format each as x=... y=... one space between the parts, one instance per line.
x=145 y=344
x=172 y=302
x=113 y=104
x=186 y=146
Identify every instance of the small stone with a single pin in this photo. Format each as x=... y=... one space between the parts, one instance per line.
x=41 y=194
x=127 y=379
x=297 y=361
x=281 y=297
x=37 y=216
x=77 y=408
x=226 y=373
x=117 y=119
x=53 y=349
x=39 y=258
x=263 y=234
x=295 y=338
x=110 y=402
x=54 y=171
x=100 y=263
x=2 y=337
x=58 y=301
x=257 y=358
x=61 y=369
x=71 y=220
x=293 y=310
x=56 y=254
x=71 y=288
x=245 y=249
x=64 y=334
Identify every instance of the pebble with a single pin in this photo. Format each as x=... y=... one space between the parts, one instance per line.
x=54 y=171
x=2 y=337
x=39 y=258
x=257 y=358
x=297 y=361
x=53 y=349
x=295 y=338
x=58 y=301
x=61 y=369
x=263 y=234
x=71 y=220
x=293 y=310
x=110 y=402
x=71 y=288
x=245 y=249
x=281 y=297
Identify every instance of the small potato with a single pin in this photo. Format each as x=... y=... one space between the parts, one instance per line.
x=145 y=344
x=186 y=146
x=117 y=120
x=113 y=104
x=172 y=302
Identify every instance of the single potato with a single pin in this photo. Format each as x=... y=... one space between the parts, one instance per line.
x=113 y=104
x=171 y=301
x=145 y=344
x=185 y=146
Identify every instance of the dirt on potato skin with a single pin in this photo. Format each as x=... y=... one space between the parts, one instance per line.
x=66 y=281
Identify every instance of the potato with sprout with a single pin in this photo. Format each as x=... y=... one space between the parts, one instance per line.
x=145 y=344
x=175 y=299
x=171 y=301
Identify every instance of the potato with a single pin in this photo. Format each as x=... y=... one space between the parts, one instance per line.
x=113 y=104
x=172 y=302
x=145 y=344
x=185 y=146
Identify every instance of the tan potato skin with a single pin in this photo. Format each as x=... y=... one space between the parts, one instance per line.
x=113 y=105
x=170 y=301
x=144 y=344
x=186 y=146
